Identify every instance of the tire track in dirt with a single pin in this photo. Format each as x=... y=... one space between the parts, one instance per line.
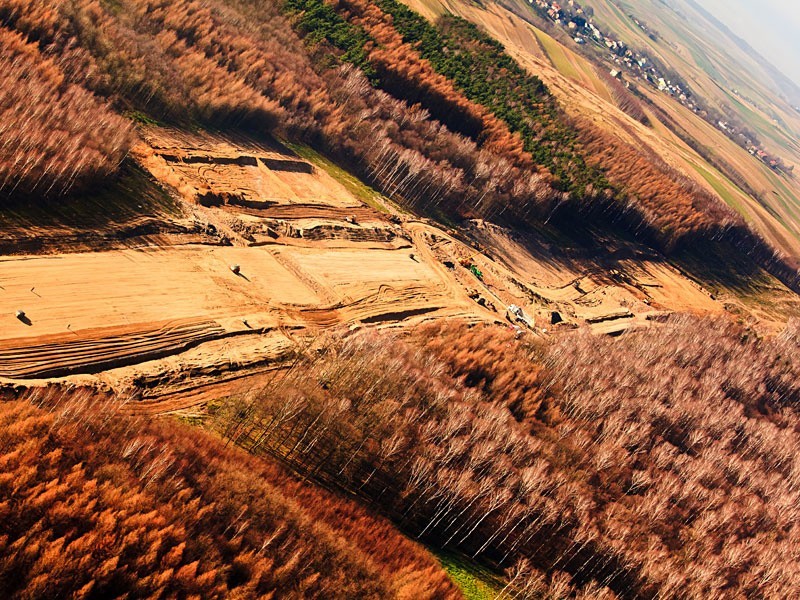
x=101 y=349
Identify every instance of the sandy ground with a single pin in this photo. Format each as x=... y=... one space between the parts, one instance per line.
x=238 y=171
x=172 y=326
x=310 y=257
x=625 y=291
x=74 y=292
x=93 y=304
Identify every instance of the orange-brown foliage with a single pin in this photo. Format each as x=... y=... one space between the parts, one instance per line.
x=53 y=135
x=412 y=78
x=669 y=207
x=92 y=506
x=238 y=63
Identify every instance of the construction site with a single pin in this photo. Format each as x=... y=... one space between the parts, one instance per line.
x=266 y=252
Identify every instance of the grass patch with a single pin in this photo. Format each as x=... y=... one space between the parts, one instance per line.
x=723 y=191
x=352 y=184
x=474 y=581
x=142 y=118
x=788 y=203
x=191 y=420
x=557 y=55
x=710 y=266
x=704 y=63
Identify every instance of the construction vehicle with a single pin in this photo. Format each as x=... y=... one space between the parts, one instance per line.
x=515 y=314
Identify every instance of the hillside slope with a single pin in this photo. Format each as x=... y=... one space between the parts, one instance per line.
x=307 y=283
x=518 y=154
x=94 y=508
x=743 y=102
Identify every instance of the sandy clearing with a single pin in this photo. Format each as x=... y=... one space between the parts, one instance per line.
x=238 y=170
x=584 y=289
x=180 y=321
x=666 y=287
x=177 y=324
x=526 y=259
x=70 y=293
x=103 y=348
x=344 y=269
x=97 y=311
x=261 y=184
x=308 y=211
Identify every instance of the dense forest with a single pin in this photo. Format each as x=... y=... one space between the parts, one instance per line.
x=660 y=465
x=98 y=505
x=652 y=466
x=54 y=136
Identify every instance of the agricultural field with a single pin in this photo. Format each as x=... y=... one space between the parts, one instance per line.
x=573 y=66
x=575 y=82
x=730 y=76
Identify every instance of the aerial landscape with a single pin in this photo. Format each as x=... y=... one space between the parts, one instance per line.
x=414 y=299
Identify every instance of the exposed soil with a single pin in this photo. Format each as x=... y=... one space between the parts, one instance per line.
x=171 y=322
